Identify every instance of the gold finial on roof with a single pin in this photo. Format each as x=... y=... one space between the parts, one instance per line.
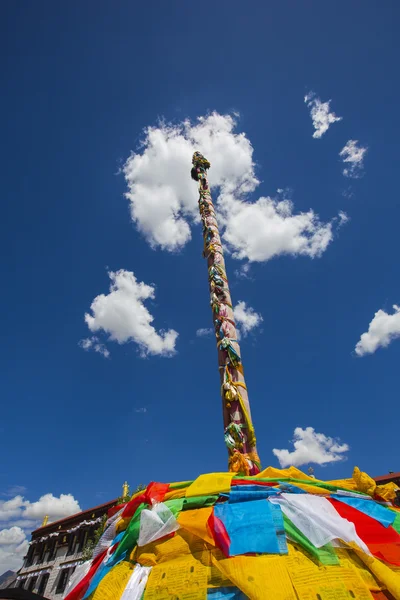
x=125 y=489
x=45 y=520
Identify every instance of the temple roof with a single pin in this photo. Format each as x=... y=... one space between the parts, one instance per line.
x=62 y=524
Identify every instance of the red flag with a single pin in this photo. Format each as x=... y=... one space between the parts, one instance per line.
x=154 y=492
x=80 y=589
x=219 y=533
x=384 y=542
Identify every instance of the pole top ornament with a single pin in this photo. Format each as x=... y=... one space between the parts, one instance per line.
x=125 y=489
x=200 y=164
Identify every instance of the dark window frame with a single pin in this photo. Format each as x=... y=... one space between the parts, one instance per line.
x=62 y=581
x=82 y=539
x=41 y=554
x=32 y=583
x=29 y=556
x=71 y=544
x=44 y=579
x=52 y=550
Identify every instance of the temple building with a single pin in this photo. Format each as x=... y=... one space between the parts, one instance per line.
x=56 y=549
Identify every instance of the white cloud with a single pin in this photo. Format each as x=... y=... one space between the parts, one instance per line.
x=48 y=504
x=343 y=218
x=246 y=318
x=14 y=535
x=141 y=410
x=353 y=155
x=19 y=516
x=311 y=447
x=11 y=555
x=383 y=329
x=55 y=508
x=26 y=524
x=93 y=343
x=204 y=332
x=244 y=271
x=10 y=509
x=163 y=198
x=320 y=113
x=267 y=228
x=123 y=315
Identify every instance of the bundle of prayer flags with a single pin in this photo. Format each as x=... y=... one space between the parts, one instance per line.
x=280 y=534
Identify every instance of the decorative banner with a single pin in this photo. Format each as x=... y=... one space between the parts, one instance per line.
x=70 y=564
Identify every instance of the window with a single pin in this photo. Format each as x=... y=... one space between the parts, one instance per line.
x=42 y=549
x=29 y=557
x=31 y=583
x=52 y=549
x=71 y=544
x=82 y=540
x=42 y=585
x=21 y=583
x=62 y=581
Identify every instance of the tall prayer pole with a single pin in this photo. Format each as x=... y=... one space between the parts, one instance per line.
x=240 y=438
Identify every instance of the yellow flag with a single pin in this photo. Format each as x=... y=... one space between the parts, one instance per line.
x=195 y=521
x=259 y=577
x=383 y=573
x=283 y=473
x=173 y=494
x=348 y=558
x=184 y=578
x=161 y=551
x=210 y=483
x=311 y=489
x=112 y=586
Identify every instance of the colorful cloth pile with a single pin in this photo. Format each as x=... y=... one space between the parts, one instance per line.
x=279 y=535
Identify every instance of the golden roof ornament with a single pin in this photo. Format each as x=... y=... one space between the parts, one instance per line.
x=125 y=489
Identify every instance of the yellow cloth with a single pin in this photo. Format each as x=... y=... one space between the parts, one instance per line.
x=274 y=473
x=161 y=551
x=239 y=464
x=216 y=578
x=175 y=494
x=338 y=582
x=364 y=482
x=195 y=521
x=383 y=573
x=348 y=558
x=259 y=577
x=210 y=483
x=122 y=524
x=112 y=586
x=184 y=578
x=387 y=491
x=312 y=489
x=347 y=484
x=183 y=544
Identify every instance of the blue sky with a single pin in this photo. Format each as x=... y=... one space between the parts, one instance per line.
x=81 y=83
